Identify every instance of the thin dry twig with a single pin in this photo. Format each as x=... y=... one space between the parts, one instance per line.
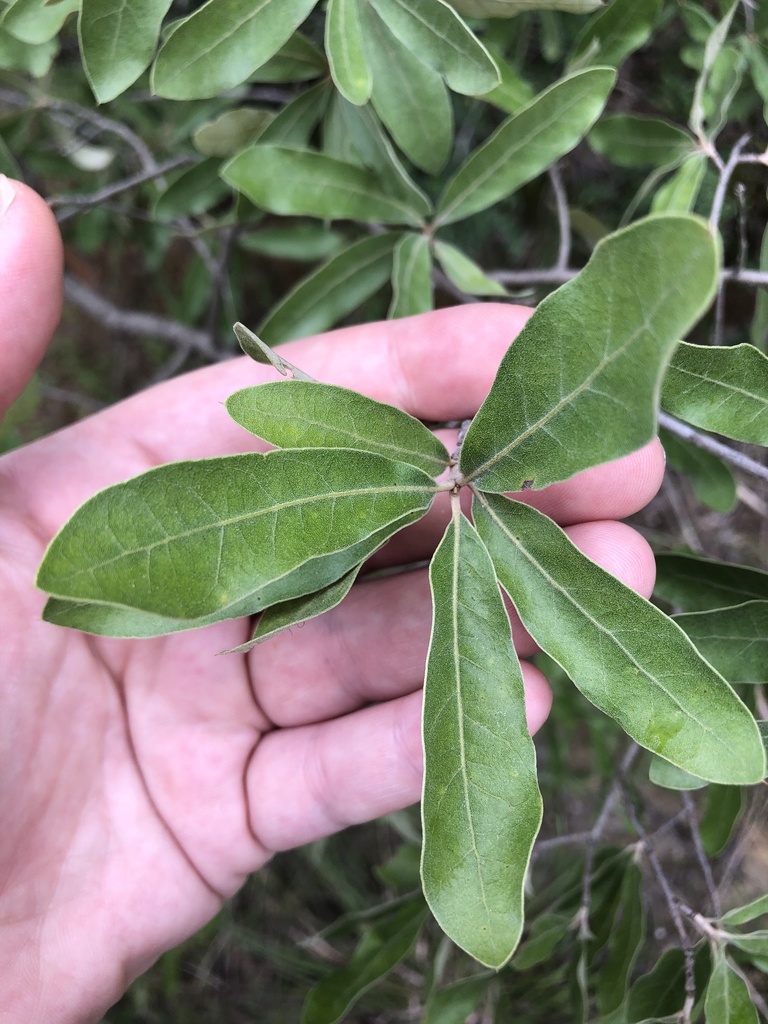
x=710 y=444
x=136 y=323
x=563 y=217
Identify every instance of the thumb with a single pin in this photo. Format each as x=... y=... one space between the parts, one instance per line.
x=31 y=262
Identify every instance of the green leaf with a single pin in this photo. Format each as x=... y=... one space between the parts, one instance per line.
x=333 y=291
x=724 y=805
x=661 y=992
x=753 y=943
x=118 y=43
x=628 y=658
x=513 y=93
x=378 y=953
x=192 y=539
x=298 y=414
x=616 y=32
x=369 y=146
x=630 y=140
x=295 y=123
x=191 y=192
x=37 y=21
x=303 y=182
x=298 y=60
x=410 y=98
x=701 y=108
x=626 y=938
x=747 y=913
x=669 y=776
x=299 y=241
x=231 y=131
x=720 y=389
x=759 y=331
x=454 y=1003
x=411 y=277
x=436 y=34
x=509 y=8
x=222 y=43
x=679 y=193
x=33 y=59
x=712 y=480
x=481 y=807
x=734 y=640
x=728 y=1000
x=694 y=584
x=526 y=144
x=464 y=272
x=594 y=351
x=345 y=47
x=112 y=620
x=546 y=934
x=291 y=613
x=257 y=349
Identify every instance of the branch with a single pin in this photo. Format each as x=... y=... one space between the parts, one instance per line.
x=673 y=905
x=701 y=856
x=725 y=178
x=138 y=324
x=709 y=444
x=563 y=217
x=556 y=276
x=77 y=203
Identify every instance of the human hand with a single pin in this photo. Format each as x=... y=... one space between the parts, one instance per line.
x=142 y=781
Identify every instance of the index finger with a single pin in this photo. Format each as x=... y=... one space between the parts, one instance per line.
x=437 y=366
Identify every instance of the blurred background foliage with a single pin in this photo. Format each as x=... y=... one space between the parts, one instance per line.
x=130 y=132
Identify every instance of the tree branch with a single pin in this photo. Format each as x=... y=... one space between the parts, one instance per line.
x=138 y=324
x=710 y=444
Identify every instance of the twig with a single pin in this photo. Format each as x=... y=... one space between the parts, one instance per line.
x=220 y=283
x=718 y=331
x=77 y=203
x=685 y=521
x=563 y=217
x=556 y=276
x=527 y=278
x=709 y=444
x=17 y=98
x=673 y=905
x=86 y=402
x=701 y=856
x=609 y=805
x=725 y=179
x=136 y=323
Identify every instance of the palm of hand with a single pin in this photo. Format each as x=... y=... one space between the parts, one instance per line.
x=143 y=781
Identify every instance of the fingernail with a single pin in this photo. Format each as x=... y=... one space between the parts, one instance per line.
x=7 y=194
